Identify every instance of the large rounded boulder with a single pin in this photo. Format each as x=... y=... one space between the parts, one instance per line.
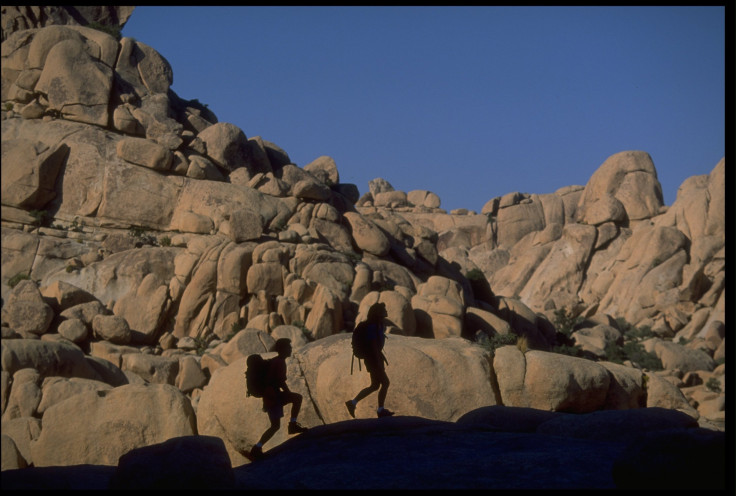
x=98 y=427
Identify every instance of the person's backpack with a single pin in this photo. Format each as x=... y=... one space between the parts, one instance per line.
x=363 y=334
x=256 y=373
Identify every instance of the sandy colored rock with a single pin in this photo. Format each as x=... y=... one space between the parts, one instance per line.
x=74 y=330
x=630 y=178
x=226 y=145
x=77 y=84
x=367 y=235
x=62 y=295
x=451 y=368
x=152 y=368
x=99 y=427
x=190 y=375
x=143 y=152
x=11 y=457
x=24 y=396
x=29 y=172
x=111 y=328
x=324 y=169
x=144 y=309
x=325 y=318
x=57 y=389
x=26 y=311
x=47 y=357
x=555 y=382
x=246 y=342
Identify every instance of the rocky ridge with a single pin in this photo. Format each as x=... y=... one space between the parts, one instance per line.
x=147 y=249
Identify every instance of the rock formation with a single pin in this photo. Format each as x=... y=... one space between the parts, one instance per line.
x=610 y=449
x=147 y=249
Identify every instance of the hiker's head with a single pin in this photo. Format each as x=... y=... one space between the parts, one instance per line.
x=282 y=347
x=377 y=312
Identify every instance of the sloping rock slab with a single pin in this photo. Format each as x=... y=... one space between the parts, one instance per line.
x=474 y=453
x=189 y=462
x=415 y=453
x=92 y=477
x=411 y=453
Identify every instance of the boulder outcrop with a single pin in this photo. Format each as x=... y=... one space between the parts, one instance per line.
x=148 y=249
x=616 y=449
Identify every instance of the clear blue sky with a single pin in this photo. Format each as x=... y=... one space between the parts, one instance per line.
x=468 y=102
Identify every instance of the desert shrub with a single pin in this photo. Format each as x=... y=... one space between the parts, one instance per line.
x=714 y=385
x=13 y=281
x=498 y=340
x=475 y=275
x=614 y=353
x=622 y=325
x=278 y=225
x=113 y=31
x=76 y=226
x=137 y=231
x=234 y=329
x=385 y=285
x=307 y=333
x=564 y=321
x=632 y=349
x=567 y=349
x=638 y=355
x=39 y=217
x=633 y=352
x=639 y=333
x=165 y=241
x=144 y=238
x=201 y=344
x=354 y=258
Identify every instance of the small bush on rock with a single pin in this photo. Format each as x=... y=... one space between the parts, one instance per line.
x=39 y=217
x=475 y=275
x=498 y=340
x=632 y=348
x=13 y=281
x=113 y=31
x=564 y=321
x=714 y=385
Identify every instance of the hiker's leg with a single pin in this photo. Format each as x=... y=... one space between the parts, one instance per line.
x=374 y=385
x=275 y=424
x=296 y=403
x=384 y=387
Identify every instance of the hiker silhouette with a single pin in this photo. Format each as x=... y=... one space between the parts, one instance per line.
x=276 y=394
x=374 y=329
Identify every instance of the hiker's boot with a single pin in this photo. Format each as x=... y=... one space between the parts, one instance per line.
x=256 y=453
x=384 y=413
x=295 y=428
x=351 y=408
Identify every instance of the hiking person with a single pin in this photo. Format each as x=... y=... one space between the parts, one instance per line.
x=276 y=394
x=374 y=360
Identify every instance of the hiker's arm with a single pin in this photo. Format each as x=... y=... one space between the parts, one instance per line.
x=377 y=351
x=284 y=387
x=281 y=375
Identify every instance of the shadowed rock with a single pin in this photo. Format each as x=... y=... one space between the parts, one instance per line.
x=484 y=449
x=194 y=462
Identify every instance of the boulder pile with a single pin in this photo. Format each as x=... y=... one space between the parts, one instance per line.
x=147 y=249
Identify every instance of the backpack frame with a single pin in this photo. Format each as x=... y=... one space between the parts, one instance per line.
x=360 y=343
x=256 y=374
